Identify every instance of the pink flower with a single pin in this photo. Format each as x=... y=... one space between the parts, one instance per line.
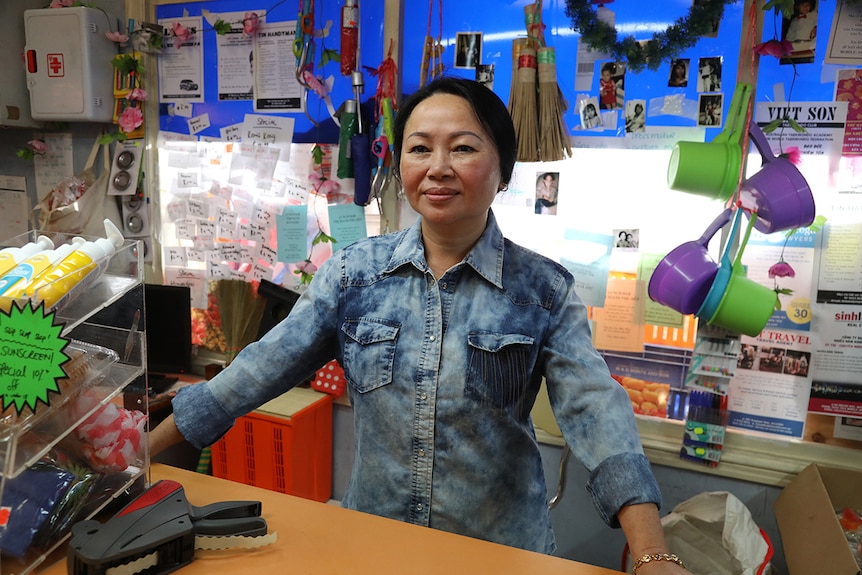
x=329 y=188
x=137 y=94
x=776 y=48
x=61 y=3
x=130 y=119
x=793 y=154
x=781 y=270
x=314 y=83
x=306 y=267
x=181 y=34
x=38 y=147
x=249 y=24
x=316 y=178
x=117 y=37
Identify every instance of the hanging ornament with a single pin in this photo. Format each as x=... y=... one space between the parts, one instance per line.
x=663 y=46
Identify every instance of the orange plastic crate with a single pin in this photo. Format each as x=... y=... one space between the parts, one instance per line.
x=285 y=446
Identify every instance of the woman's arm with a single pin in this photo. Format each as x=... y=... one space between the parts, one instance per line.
x=645 y=536
x=164 y=435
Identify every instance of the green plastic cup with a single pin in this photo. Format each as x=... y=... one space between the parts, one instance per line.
x=746 y=305
x=712 y=169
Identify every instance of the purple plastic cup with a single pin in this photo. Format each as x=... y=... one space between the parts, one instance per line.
x=778 y=192
x=684 y=276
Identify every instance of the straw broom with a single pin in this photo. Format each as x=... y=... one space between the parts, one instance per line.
x=554 y=143
x=517 y=45
x=524 y=107
x=241 y=310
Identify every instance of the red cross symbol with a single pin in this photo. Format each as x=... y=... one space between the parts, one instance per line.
x=56 y=69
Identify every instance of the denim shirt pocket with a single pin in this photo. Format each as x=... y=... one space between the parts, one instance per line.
x=499 y=368
x=369 y=352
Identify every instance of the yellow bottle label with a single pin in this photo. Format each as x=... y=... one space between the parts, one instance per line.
x=60 y=279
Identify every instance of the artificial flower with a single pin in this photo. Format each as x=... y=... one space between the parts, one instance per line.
x=782 y=269
x=61 y=3
x=249 y=24
x=305 y=270
x=117 y=37
x=130 y=119
x=38 y=147
x=793 y=154
x=181 y=34
x=137 y=94
x=306 y=267
x=314 y=83
x=775 y=48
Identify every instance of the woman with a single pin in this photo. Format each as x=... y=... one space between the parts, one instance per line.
x=445 y=331
x=546 y=194
x=637 y=121
x=678 y=75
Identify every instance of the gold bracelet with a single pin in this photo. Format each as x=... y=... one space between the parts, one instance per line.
x=649 y=557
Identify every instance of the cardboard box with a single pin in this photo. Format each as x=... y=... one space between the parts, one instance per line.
x=813 y=539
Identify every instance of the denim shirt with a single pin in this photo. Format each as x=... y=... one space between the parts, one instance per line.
x=442 y=376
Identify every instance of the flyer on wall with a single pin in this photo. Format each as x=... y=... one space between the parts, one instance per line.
x=845 y=35
x=770 y=389
x=821 y=142
x=794 y=293
x=181 y=68
x=235 y=59
x=276 y=88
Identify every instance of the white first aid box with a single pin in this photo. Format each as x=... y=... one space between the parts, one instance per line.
x=68 y=58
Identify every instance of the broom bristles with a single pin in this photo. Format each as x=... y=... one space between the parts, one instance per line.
x=241 y=310
x=525 y=109
x=554 y=144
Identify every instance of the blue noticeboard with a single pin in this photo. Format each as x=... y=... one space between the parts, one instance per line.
x=506 y=22
x=226 y=112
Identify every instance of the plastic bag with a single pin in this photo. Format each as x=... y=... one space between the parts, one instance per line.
x=79 y=204
x=713 y=532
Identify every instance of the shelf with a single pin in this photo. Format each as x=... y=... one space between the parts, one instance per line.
x=85 y=443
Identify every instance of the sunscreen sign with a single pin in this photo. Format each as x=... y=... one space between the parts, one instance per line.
x=31 y=356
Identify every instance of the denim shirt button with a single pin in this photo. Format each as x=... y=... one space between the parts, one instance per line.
x=423 y=396
x=421 y=453
x=433 y=338
x=444 y=285
x=419 y=506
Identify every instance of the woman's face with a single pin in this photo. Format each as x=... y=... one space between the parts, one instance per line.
x=450 y=166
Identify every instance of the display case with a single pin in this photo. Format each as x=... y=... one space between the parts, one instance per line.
x=80 y=449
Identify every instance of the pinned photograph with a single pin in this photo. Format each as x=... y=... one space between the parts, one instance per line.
x=589 y=108
x=709 y=74
x=801 y=31
x=612 y=85
x=468 y=49
x=713 y=29
x=635 y=116
x=485 y=75
x=678 y=73
x=626 y=238
x=710 y=110
x=547 y=189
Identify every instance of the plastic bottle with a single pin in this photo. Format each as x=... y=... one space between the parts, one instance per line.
x=11 y=257
x=86 y=262
x=13 y=284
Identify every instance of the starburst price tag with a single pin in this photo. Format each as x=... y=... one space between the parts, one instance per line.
x=31 y=357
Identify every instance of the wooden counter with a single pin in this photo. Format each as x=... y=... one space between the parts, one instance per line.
x=326 y=539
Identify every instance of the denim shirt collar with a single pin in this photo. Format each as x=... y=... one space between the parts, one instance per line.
x=486 y=257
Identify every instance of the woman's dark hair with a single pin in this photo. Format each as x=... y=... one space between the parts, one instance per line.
x=489 y=109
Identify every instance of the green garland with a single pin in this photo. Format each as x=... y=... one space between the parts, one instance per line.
x=664 y=46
